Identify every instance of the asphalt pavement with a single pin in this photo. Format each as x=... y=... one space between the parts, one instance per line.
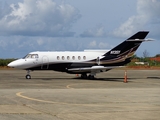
x=60 y=96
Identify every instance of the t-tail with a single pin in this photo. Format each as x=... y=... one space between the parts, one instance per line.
x=123 y=52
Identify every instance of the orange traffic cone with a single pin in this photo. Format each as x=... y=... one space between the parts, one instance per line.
x=77 y=75
x=125 y=77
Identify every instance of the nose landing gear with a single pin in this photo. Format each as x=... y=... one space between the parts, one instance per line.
x=28 y=76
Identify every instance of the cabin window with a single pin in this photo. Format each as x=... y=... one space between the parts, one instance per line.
x=79 y=57
x=63 y=58
x=68 y=57
x=58 y=57
x=73 y=57
x=84 y=57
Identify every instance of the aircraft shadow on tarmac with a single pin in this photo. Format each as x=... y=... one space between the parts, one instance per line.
x=50 y=79
x=153 y=77
x=105 y=79
x=79 y=78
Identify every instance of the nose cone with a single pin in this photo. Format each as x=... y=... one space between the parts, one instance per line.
x=21 y=63
x=16 y=64
x=12 y=64
x=9 y=65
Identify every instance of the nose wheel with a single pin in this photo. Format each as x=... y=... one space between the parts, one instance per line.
x=28 y=76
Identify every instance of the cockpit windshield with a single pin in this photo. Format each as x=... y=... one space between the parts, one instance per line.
x=31 y=56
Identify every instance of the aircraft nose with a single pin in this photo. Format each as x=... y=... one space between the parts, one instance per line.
x=15 y=63
x=20 y=64
x=12 y=64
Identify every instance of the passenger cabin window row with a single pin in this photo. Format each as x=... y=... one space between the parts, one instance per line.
x=70 y=58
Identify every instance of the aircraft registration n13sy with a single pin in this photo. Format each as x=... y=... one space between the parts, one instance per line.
x=87 y=62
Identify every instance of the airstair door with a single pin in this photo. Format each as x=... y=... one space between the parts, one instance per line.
x=45 y=63
x=98 y=61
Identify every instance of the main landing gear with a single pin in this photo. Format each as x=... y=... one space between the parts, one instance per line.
x=90 y=76
x=28 y=76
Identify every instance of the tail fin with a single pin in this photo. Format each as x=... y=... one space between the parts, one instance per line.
x=129 y=46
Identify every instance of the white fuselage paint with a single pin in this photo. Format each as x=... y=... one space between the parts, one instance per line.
x=57 y=57
x=83 y=62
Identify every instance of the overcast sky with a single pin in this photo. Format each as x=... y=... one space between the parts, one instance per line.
x=71 y=25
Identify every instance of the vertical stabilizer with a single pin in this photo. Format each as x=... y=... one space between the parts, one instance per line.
x=129 y=46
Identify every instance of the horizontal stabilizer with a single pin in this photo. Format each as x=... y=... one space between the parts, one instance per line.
x=142 y=40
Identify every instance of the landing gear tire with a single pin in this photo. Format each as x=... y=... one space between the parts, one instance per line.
x=28 y=77
x=91 y=77
x=84 y=76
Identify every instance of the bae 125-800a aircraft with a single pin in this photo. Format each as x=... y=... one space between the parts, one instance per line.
x=87 y=62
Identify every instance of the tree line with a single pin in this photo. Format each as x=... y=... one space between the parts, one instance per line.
x=5 y=62
x=147 y=60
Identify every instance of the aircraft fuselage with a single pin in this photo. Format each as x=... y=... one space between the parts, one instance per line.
x=82 y=62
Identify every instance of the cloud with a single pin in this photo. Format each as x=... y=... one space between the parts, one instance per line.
x=93 y=44
x=38 y=18
x=95 y=32
x=104 y=45
x=147 y=16
x=99 y=45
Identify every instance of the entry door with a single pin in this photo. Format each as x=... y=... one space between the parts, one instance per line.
x=98 y=61
x=45 y=62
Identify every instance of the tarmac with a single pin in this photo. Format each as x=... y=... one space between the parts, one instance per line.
x=54 y=95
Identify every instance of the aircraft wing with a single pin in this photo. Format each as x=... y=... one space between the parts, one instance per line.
x=93 y=69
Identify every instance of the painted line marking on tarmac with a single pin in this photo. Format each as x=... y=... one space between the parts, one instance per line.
x=68 y=86
x=19 y=94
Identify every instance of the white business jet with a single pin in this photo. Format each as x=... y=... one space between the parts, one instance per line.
x=87 y=62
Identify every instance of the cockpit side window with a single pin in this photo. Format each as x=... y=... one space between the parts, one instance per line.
x=27 y=56
x=36 y=55
x=31 y=56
